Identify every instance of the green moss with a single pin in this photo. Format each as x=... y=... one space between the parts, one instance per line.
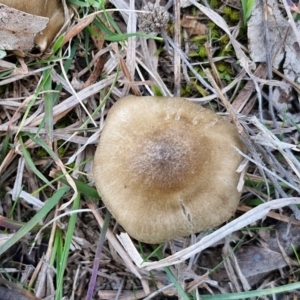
x=225 y=71
x=199 y=88
x=202 y=52
x=199 y=39
x=195 y=11
x=211 y=25
x=224 y=67
x=215 y=3
x=192 y=88
x=170 y=29
x=215 y=34
x=235 y=16
x=198 y=46
x=41 y=153
x=231 y=15
x=61 y=151
x=224 y=40
x=227 y=10
x=186 y=91
x=227 y=50
x=199 y=70
x=193 y=54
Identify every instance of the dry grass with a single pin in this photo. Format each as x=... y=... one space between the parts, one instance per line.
x=51 y=116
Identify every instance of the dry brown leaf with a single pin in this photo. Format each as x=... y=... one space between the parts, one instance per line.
x=31 y=26
x=285 y=234
x=18 y=29
x=254 y=261
x=268 y=24
x=79 y=27
x=241 y=102
x=193 y=26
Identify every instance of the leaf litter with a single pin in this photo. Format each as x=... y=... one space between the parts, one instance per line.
x=252 y=252
x=18 y=29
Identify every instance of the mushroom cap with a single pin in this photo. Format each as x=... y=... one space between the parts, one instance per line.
x=166 y=167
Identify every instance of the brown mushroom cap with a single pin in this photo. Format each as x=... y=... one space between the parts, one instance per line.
x=166 y=167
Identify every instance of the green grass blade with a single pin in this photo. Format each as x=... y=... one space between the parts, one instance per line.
x=50 y=203
x=247 y=6
x=41 y=143
x=57 y=247
x=5 y=146
x=58 y=44
x=257 y=293
x=173 y=279
x=31 y=164
x=84 y=188
x=47 y=84
x=63 y=258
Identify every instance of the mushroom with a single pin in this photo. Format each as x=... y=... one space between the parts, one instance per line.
x=52 y=9
x=166 y=167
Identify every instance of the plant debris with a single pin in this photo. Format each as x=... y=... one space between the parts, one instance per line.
x=53 y=110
